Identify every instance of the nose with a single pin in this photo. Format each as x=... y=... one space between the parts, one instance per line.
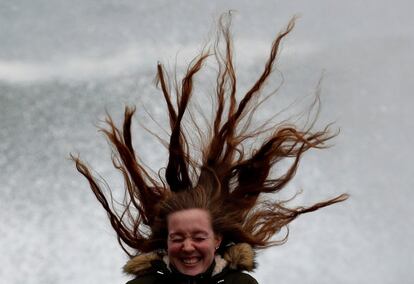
x=188 y=245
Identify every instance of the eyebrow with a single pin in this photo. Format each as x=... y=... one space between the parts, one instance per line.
x=198 y=232
x=175 y=235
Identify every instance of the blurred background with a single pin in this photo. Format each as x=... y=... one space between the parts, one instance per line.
x=63 y=64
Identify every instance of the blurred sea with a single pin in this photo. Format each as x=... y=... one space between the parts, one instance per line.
x=63 y=64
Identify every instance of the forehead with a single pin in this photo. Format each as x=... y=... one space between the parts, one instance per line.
x=189 y=221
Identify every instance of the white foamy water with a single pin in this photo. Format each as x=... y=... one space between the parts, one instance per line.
x=63 y=63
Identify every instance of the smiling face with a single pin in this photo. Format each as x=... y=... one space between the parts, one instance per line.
x=191 y=241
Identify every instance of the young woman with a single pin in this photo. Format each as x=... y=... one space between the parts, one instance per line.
x=195 y=245
x=203 y=220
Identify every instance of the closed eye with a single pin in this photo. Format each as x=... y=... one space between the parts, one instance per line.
x=176 y=240
x=199 y=238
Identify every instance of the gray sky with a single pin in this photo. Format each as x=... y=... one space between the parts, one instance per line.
x=63 y=63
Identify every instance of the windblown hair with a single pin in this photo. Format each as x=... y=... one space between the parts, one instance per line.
x=227 y=181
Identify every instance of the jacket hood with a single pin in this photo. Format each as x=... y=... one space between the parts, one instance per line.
x=237 y=257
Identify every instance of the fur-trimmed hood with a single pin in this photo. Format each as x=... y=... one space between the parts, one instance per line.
x=237 y=257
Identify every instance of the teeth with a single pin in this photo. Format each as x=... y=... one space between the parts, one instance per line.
x=190 y=260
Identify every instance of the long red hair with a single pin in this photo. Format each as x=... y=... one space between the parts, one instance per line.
x=227 y=181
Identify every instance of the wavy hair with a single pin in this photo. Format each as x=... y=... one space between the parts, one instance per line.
x=227 y=181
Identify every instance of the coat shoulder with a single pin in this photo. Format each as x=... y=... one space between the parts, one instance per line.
x=238 y=277
x=144 y=279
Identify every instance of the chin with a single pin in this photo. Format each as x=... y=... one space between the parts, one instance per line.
x=190 y=271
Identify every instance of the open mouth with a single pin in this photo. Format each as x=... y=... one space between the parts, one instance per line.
x=190 y=261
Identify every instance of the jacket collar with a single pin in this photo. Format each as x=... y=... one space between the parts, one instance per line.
x=237 y=257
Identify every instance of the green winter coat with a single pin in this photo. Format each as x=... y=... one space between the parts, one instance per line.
x=153 y=268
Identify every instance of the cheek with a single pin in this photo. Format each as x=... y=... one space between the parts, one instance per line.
x=207 y=249
x=173 y=249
